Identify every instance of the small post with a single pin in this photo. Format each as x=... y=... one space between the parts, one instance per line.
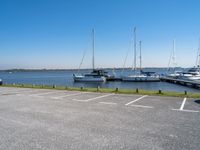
x=185 y=92
x=159 y=91
x=117 y=89
x=137 y=90
x=81 y=88
x=98 y=88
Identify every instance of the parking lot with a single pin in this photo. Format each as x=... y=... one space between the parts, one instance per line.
x=58 y=119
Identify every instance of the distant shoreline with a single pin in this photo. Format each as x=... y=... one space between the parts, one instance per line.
x=36 y=70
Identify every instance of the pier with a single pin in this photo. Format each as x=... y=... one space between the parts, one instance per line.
x=190 y=83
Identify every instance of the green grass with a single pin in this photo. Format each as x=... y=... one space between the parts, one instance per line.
x=109 y=90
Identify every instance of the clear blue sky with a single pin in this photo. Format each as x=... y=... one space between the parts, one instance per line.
x=55 y=33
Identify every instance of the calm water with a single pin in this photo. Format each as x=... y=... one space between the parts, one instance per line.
x=64 y=78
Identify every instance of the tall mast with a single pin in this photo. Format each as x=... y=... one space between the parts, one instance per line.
x=93 y=47
x=135 y=49
x=198 y=56
x=173 y=55
x=140 y=56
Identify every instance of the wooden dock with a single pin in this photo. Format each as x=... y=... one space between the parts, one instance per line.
x=190 y=83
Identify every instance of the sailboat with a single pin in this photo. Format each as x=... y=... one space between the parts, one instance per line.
x=141 y=76
x=172 y=64
x=193 y=73
x=96 y=75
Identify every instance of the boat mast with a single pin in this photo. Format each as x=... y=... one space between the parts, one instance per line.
x=173 y=56
x=135 y=49
x=93 y=47
x=198 y=63
x=140 y=57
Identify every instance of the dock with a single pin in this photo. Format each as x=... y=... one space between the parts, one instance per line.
x=190 y=83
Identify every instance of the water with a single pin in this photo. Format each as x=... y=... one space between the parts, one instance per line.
x=64 y=78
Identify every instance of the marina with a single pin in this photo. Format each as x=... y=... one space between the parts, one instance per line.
x=65 y=78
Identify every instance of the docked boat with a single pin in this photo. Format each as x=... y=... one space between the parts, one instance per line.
x=172 y=65
x=192 y=73
x=141 y=76
x=96 y=75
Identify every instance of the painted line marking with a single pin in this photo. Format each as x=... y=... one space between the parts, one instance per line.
x=185 y=110
x=74 y=94
x=182 y=107
x=15 y=92
x=41 y=94
x=92 y=98
x=108 y=103
x=183 y=103
x=136 y=100
x=141 y=106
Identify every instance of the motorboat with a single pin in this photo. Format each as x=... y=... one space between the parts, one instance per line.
x=191 y=74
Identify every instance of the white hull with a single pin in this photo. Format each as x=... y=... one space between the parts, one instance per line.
x=189 y=77
x=141 y=79
x=89 y=79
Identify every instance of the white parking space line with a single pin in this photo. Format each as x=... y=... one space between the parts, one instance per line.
x=136 y=100
x=141 y=106
x=74 y=94
x=46 y=93
x=15 y=92
x=182 y=107
x=186 y=110
x=93 y=98
x=183 y=104
x=108 y=103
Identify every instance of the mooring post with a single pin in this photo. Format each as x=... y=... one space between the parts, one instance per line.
x=159 y=91
x=98 y=88
x=137 y=90
x=185 y=92
x=117 y=89
x=81 y=88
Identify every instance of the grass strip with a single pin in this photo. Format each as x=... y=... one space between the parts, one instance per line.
x=109 y=90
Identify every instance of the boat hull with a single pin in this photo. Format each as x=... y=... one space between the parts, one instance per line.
x=89 y=79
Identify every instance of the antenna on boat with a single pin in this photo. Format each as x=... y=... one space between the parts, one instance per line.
x=140 y=57
x=93 y=47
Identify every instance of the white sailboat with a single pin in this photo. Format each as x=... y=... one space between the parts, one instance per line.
x=96 y=75
x=193 y=73
x=173 y=64
x=141 y=76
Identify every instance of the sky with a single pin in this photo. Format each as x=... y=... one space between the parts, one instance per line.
x=54 y=34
